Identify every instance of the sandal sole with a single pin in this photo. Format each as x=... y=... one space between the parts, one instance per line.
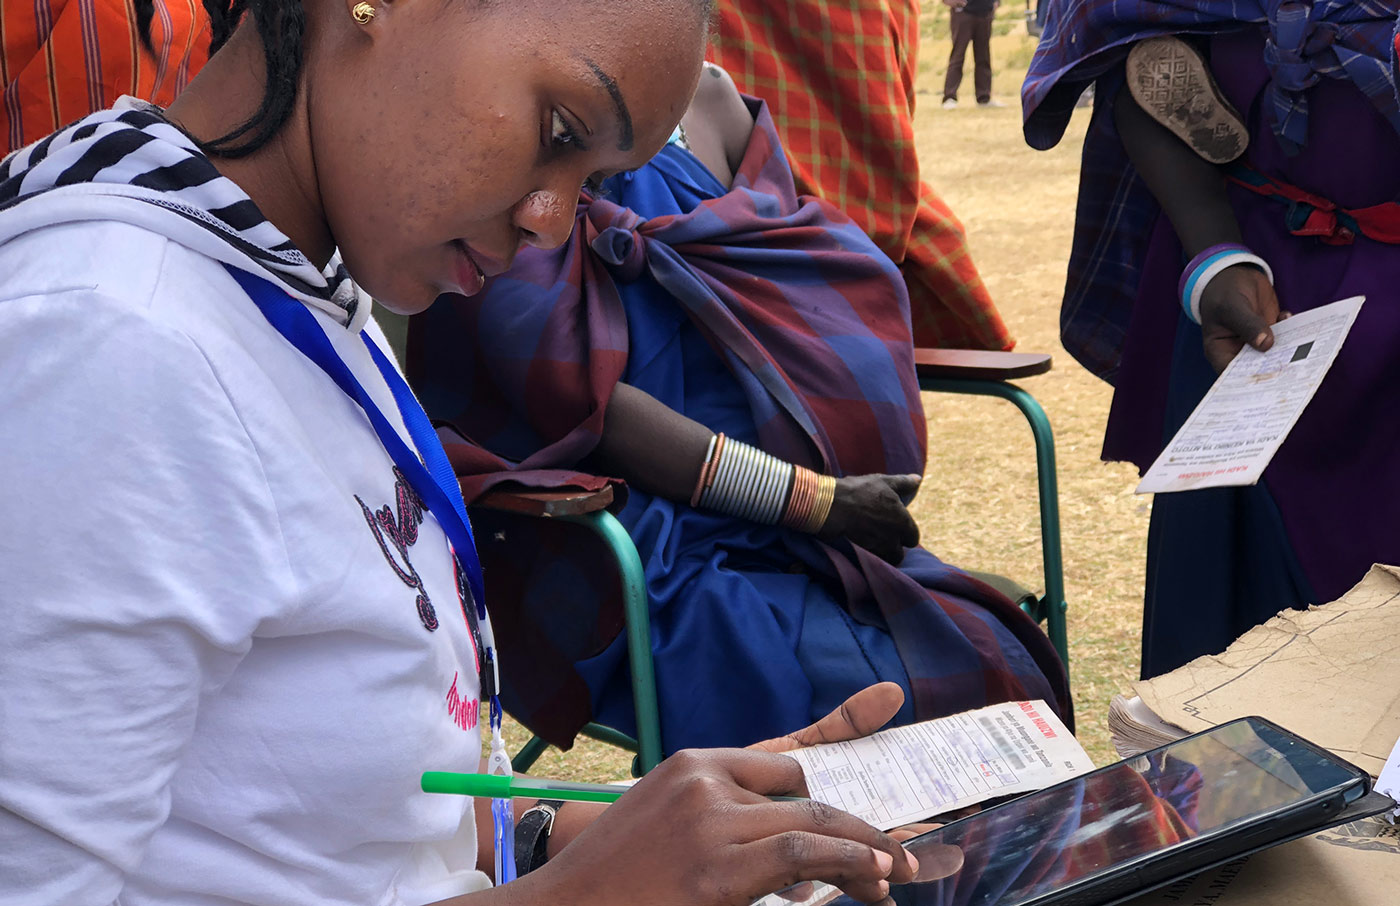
x=1170 y=81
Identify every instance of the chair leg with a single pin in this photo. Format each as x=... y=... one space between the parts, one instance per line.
x=528 y=755
x=634 y=593
x=1054 y=603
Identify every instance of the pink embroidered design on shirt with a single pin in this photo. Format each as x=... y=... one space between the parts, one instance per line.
x=463 y=711
x=401 y=531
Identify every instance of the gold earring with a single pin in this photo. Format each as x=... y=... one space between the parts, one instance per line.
x=362 y=12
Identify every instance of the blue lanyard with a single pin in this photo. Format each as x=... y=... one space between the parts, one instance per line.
x=432 y=478
x=436 y=485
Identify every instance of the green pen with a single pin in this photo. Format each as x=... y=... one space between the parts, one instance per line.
x=496 y=786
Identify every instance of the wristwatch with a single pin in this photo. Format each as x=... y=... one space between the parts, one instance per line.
x=532 y=835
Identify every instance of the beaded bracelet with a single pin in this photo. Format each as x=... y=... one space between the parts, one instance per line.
x=1208 y=265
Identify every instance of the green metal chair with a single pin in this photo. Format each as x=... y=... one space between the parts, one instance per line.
x=990 y=374
x=939 y=370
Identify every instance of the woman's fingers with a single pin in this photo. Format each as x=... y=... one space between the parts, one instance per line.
x=910 y=831
x=1241 y=319
x=906 y=529
x=794 y=856
x=860 y=715
x=869 y=511
x=760 y=773
x=938 y=861
x=904 y=486
x=810 y=817
x=713 y=839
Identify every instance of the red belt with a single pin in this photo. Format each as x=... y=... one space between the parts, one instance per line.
x=1313 y=215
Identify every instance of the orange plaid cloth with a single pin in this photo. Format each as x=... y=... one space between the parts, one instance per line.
x=63 y=59
x=838 y=76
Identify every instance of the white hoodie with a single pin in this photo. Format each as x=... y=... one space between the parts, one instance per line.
x=216 y=685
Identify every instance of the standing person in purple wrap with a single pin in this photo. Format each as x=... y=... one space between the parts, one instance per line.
x=741 y=356
x=971 y=23
x=1265 y=133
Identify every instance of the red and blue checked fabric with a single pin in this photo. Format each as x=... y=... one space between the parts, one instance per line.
x=778 y=284
x=63 y=59
x=839 y=78
x=1087 y=40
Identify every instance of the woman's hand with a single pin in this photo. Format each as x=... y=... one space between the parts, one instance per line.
x=869 y=510
x=699 y=829
x=1238 y=307
x=859 y=716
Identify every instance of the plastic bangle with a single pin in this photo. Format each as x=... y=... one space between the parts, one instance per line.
x=747 y=483
x=1208 y=265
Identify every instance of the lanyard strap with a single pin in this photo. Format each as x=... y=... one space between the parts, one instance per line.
x=432 y=477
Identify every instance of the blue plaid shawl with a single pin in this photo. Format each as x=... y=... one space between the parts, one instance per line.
x=784 y=286
x=1086 y=41
x=789 y=292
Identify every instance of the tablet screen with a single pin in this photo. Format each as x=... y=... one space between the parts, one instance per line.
x=1200 y=786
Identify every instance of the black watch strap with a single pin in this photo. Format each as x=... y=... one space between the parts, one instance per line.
x=532 y=836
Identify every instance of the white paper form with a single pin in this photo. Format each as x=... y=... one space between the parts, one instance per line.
x=907 y=774
x=1233 y=434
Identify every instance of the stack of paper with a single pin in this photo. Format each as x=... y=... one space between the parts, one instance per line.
x=1135 y=728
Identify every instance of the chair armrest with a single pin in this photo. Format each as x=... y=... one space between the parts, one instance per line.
x=528 y=502
x=978 y=364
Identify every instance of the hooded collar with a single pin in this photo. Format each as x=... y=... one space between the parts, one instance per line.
x=130 y=164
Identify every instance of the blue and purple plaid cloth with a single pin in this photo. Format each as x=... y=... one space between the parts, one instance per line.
x=1086 y=41
x=788 y=292
x=781 y=284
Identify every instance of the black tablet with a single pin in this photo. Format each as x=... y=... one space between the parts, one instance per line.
x=1124 y=829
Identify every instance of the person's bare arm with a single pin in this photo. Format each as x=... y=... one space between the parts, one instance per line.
x=1239 y=305
x=1190 y=189
x=660 y=451
x=718 y=124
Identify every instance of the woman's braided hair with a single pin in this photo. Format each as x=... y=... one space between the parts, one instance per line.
x=281 y=25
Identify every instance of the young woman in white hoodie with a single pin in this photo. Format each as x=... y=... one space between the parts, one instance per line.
x=241 y=611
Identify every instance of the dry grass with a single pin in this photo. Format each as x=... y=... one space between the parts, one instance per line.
x=978 y=506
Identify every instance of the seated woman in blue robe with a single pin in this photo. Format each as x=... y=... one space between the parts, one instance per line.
x=741 y=357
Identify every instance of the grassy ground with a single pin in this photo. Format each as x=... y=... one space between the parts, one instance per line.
x=978 y=506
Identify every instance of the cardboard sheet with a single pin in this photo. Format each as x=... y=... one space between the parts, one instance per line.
x=1331 y=674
